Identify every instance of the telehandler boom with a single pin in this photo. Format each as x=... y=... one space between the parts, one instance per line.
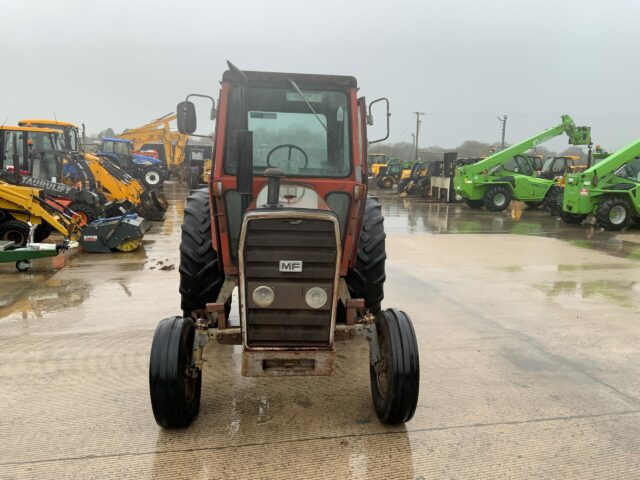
x=508 y=174
x=609 y=190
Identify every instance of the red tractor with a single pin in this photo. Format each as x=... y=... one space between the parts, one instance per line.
x=286 y=218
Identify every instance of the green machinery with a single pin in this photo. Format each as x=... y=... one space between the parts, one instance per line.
x=609 y=190
x=509 y=174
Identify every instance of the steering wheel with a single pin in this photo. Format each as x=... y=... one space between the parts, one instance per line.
x=291 y=147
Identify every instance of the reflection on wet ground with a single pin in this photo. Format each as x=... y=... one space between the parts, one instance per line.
x=528 y=354
x=417 y=215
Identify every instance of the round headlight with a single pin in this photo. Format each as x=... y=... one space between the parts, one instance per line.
x=316 y=297
x=263 y=296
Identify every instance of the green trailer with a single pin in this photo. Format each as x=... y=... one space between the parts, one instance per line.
x=609 y=190
x=22 y=256
x=509 y=174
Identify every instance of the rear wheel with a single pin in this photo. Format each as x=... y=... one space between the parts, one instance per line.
x=497 y=198
x=395 y=378
x=201 y=276
x=15 y=231
x=475 y=204
x=366 y=279
x=174 y=385
x=614 y=213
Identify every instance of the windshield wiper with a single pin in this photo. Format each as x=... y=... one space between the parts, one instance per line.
x=297 y=88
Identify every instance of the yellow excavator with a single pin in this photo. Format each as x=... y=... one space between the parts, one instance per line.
x=103 y=176
x=172 y=144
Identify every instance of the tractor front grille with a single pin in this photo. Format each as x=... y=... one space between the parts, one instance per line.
x=289 y=322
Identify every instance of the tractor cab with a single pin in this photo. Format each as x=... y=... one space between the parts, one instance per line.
x=37 y=151
x=555 y=167
x=148 y=169
x=287 y=220
x=70 y=132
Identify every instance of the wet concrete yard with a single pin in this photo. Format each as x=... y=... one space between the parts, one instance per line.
x=529 y=337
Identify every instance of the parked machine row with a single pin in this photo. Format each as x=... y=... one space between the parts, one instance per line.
x=48 y=183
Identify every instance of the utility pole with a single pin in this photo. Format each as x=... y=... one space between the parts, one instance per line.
x=503 y=120
x=413 y=139
x=418 y=122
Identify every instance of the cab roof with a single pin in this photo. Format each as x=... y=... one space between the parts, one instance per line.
x=49 y=122
x=29 y=129
x=119 y=140
x=304 y=80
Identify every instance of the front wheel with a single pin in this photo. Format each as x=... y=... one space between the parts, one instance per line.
x=23 y=265
x=15 y=231
x=614 y=213
x=497 y=198
x=174 y=384
x=152 y=177
x=395 y=376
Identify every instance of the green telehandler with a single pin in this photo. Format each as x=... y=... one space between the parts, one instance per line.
x=609 y=190
x=509 y=174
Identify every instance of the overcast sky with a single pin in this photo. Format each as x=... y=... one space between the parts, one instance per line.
x=120 y=64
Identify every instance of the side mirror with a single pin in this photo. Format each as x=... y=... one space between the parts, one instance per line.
x=370 y=117
x=186 y=117
x=244 y=170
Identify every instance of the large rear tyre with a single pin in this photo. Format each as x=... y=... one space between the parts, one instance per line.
x=366 y=279
x=614 y=213
x=497 y=198
x=475 y=204
x=395 y=378
x=201 y=276
x=15 y=231
x=174 y=384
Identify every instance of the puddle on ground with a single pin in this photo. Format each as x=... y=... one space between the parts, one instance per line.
x=622 y=293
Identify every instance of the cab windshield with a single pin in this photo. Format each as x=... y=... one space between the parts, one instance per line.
x=630 y=171
x=303 y=138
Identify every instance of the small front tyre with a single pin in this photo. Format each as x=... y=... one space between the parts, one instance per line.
x=174 y=384
x=23 y=265
x=395 y=377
